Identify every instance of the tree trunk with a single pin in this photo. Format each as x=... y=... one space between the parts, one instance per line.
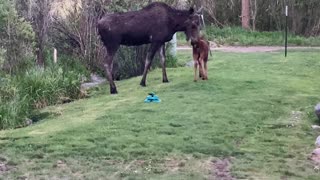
x=41 y=24
x=245 y=14
x=40 y=56
x=254 y=10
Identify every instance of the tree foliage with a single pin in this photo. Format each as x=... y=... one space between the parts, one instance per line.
x=266 y=15
x=16 y=36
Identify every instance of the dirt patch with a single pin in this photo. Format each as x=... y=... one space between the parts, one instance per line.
x=168 y=165
x=296 y=117
x=61 y=164
x=315 y=157
x=221 y=168
x=4 y=166
x=174 y=165
x=207 y=168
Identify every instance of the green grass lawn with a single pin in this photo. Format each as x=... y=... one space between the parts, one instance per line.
x=237 y=36
x=256 y=110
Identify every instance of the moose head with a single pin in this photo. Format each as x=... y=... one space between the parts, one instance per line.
x=193 y=25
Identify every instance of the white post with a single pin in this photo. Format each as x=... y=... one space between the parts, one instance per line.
x=173 y=42
x=286 y=34
x=204 y=24
x=55 y=60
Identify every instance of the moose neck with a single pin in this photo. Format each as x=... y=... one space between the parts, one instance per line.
x=179 y=17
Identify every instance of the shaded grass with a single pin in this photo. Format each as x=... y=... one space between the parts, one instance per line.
x=244 y=110
x=236 y=36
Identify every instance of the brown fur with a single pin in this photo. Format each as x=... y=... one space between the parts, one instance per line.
x=155 y=24
x=200 y=50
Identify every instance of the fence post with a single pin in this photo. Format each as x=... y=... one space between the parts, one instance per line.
x=286 y=33
x=55 y=56
x=173 y=48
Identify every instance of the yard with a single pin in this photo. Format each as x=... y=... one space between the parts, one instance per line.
x=250 y=120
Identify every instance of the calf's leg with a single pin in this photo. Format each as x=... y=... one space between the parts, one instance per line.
x=205 y=70
x=195 y=63
x=201 y=68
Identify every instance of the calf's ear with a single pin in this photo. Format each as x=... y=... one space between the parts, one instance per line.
x=191 y=10
x=200 y=10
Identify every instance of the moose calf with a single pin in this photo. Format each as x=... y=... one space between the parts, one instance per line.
x=200 y=50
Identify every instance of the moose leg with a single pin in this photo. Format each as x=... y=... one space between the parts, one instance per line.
x=199 y=62
x=108 y=64
x=151 y=52
x=205 y=70
x=163 y=63
x=201 y=69
x=195 y=62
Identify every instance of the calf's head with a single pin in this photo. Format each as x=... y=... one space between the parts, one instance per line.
x=193 y=25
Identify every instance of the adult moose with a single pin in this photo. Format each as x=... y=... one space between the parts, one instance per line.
x=155 y=24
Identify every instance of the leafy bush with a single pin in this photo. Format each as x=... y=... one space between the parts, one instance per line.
x=35 y=89
x=12 y=105
x=171 y=60
x=69 y=63
x=130 y=61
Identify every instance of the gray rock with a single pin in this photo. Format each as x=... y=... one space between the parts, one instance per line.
x=317 y=110
x=315 y=156
x=317 y=143
x=315 y=127
x=95 y=81
x=96 y=78
x=189 y=64
x=28 y=122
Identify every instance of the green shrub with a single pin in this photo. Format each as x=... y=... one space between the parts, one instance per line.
x=35 y=89
x=130 y=61
x=171 y=61
x=12 y=105
x=71 y=63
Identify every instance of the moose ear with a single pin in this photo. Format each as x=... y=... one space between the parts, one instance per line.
x=191 y=10
x=200 y=10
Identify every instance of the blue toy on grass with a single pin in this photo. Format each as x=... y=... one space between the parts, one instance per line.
x=152 y=97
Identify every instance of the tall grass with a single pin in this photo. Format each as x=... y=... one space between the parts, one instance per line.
x=241 y=37
x=35 y=89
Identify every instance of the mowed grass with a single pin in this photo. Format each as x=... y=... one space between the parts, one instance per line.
x=237 y=36
x=256 y=109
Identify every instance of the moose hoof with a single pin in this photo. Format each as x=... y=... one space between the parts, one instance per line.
x=143 y=84
x=165 y=81
x=113 y=91
x=195 y=80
